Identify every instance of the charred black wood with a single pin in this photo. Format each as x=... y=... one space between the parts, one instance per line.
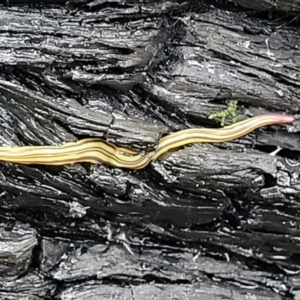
x=202 y=222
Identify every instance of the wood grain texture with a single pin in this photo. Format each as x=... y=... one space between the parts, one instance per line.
x=205 y=222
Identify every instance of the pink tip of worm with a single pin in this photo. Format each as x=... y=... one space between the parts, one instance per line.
x=283 y=119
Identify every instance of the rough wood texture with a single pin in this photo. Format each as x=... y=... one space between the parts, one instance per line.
x=285 y=5
x=204 y=222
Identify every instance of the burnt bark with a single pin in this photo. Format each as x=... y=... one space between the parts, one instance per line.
x=203 y=222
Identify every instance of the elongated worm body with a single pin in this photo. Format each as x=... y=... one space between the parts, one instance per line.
x=95 y=150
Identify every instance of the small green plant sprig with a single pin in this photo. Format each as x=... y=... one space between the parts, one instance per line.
x=223 y=114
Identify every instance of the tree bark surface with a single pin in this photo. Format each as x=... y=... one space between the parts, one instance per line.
x=205 y=221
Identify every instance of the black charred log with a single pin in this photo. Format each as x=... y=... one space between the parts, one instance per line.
x=202 y=222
